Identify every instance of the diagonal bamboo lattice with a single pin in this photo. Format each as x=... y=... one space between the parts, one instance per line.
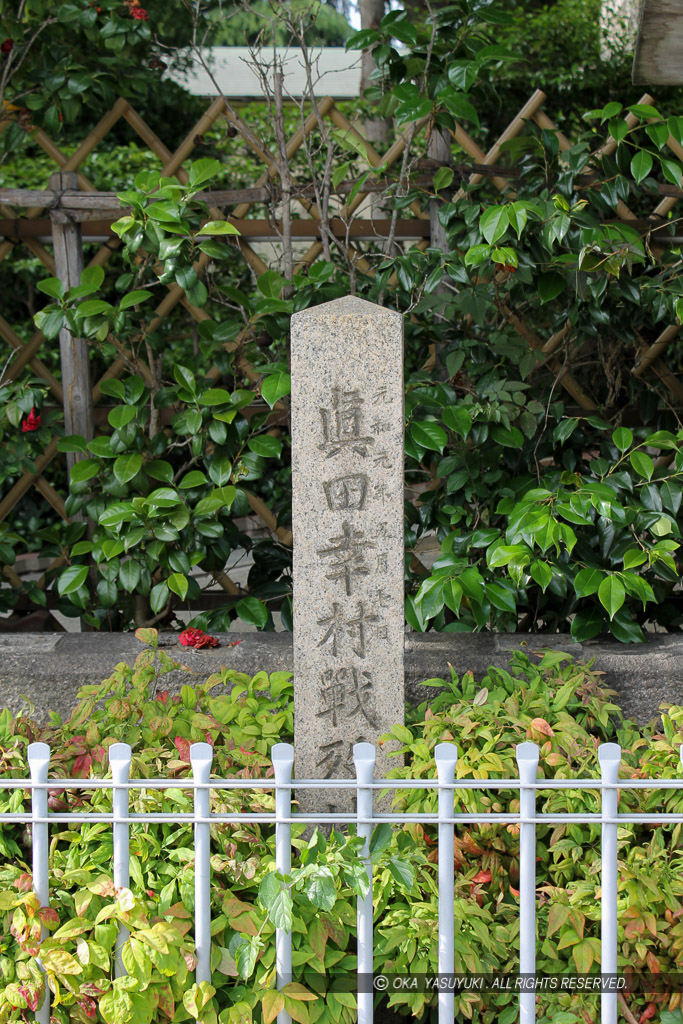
x=649 y=357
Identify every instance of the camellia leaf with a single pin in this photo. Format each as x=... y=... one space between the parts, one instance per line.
x=132 y=298
x=218 y=227
x=129 y=574
x=251 y=610
x=458 y=419
x=51 y=286
x=586 y=624
x=623 y=438
x=587 y=582
x=550 y=285
x=493 y=223
x=509 y=437
x=127 y=466
x=429 y=435
x=643 y=464
x=541 y=573
x=634 y=557
x=178 y=584
x=611 y=595
x=72 y=443
x=71 y=579
x=641 y=165
x=276 y=386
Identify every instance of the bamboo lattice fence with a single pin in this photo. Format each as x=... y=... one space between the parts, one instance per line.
x=72 y=211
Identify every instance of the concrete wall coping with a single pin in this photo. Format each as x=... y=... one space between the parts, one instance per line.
x=49 y=668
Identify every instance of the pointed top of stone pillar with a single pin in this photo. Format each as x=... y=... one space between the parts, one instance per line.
x=349 y=305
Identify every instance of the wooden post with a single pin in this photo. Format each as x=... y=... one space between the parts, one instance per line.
x=75 y=361
x=68 y=248
x=438 y=148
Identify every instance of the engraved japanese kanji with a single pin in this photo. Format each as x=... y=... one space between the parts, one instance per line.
x=348 y=556
x=343 y=424
x=346 y=690
x=337 y=757
x=346 y=492
x=340 y=627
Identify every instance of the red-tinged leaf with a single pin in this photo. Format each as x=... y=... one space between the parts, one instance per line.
x=102 y=887
x=48 y=916
x=89 y=1007
x=88 y=988
x=653 y=963
x=271 y=1004
x=296 y=1011
x=82 y=766
x=178 y=910
x=166 y=1001
x=183 y=747
x=317 y=936
x=483 y=877
x=540 y=725
x=583 y=956
x=515 y=892
x=238 y=917
x=559 y=912
x=147 y=636
x=209 y=738
x=296 y=991
x=24 y=883
x=30 y=995
x=334 y=931
x=99 y=754
x=648 y=1013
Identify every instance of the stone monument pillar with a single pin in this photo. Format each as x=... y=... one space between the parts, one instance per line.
x=347 y=522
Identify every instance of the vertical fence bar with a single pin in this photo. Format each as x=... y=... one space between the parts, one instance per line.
x=38 y=755
x=446 y=757
x=119 y=761
x=364 y=760
x=282 y=755
x=201 y=756
x=527 y=763
x=609 y=756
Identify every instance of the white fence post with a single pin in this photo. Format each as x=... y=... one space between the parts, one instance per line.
x=282 y=755
x=119 y=761
x=364 y=760
x=609 y=756
x=38 y=755
x=446 y=757
x=201 y=756
x=527 y=763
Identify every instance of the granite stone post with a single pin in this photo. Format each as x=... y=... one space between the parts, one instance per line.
x=347 y=522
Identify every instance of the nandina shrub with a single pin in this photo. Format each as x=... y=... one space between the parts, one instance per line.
x=555 y=702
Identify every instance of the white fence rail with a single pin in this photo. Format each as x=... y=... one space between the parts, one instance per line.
x=282 y=754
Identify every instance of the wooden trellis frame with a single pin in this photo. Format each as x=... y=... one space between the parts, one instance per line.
x=88 y=205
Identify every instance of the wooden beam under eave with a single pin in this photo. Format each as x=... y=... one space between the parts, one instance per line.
x=254 y=230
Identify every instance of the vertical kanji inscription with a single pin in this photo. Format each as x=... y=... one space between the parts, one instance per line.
x=347 y=522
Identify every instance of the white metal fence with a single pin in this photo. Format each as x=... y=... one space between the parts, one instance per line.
x=282 y=754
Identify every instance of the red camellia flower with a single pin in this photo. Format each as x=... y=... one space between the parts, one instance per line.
x=32 y=422
x=197 y=638
x=140 y=14
x=7 y=46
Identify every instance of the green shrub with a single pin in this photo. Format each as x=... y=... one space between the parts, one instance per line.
x=557 y=703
